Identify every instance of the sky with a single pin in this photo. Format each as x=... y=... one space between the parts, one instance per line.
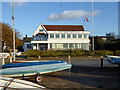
x=29 y=15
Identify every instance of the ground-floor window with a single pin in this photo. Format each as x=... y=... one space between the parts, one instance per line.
x=83 y=46
x=29 y=46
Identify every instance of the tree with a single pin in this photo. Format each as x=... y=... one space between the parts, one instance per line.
x=99 y=42
x=7 y=36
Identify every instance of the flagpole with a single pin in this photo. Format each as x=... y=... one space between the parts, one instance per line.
x=92 y=28
x=13 y=32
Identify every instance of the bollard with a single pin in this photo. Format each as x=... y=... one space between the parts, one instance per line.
x=101 y=61
x=10 y=59
x=69 y=61
x=39 y=57
x=3 y=61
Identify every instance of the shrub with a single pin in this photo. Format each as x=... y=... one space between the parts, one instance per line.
x=55 y=53
x=33 y=53
x=117 y=52
x=100 y=53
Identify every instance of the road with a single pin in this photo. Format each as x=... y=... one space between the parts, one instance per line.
x=85 y=73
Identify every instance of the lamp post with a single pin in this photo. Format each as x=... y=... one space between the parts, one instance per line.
x=92 y=28
x=13 y=32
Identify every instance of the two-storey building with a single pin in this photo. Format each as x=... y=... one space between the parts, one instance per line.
x=61 y=37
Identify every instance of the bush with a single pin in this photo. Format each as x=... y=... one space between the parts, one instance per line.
x=117 y=52
x=55 y=53
x=33 y=53
x=100 y=53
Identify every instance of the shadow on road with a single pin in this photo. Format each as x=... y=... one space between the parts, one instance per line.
x=107 y=77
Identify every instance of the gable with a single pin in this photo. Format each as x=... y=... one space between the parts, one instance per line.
x=39 y=30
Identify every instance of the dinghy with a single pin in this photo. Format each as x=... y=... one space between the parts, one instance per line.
x=11 y=83
x=32 y=63
x=34 y=67
x=112 y=59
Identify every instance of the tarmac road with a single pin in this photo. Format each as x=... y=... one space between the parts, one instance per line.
x=85 y=73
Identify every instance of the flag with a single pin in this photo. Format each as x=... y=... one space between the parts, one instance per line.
x=86 y=19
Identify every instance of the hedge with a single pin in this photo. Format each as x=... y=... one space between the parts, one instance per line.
x=54 y=53
x=117 y=52
x=100 y=53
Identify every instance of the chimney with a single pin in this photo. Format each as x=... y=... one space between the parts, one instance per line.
x=26 y=36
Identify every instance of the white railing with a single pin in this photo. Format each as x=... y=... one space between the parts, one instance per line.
x=39 y=39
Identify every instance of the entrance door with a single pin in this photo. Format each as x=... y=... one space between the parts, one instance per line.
x=43 y=46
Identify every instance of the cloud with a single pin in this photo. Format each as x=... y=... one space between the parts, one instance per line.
x=73 y=14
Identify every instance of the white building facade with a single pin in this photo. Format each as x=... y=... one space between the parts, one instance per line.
x=60 y=37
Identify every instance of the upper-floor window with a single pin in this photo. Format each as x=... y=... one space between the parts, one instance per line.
x=40 y=30
x=51 y=35
x=74 y=35
x=62 y=35
x=68 y=35
x=57 y=36
x=85 y=35
x=79 y=35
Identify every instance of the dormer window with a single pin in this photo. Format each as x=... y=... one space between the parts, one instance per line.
x=40 y=30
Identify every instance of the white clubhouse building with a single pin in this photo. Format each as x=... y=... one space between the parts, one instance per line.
x=59 y=37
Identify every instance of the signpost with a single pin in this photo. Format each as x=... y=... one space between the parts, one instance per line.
x=3 y=56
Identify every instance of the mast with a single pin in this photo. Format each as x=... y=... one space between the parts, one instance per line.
x=13 y=31
x=92 y=29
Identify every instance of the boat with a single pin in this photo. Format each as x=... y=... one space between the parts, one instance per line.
x=112 y=59
x=41 y=67
x=18 y=61
x=11 y=83
x=32 y=63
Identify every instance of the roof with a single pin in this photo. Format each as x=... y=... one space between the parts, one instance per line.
x=28 y=39
x=41 y=34
x=64 y=27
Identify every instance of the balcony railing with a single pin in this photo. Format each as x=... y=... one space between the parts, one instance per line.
x=39 y=39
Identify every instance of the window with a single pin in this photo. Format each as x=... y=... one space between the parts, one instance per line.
x=85 y=35
x=40 y=30
x=51 y=35
x=29 y=46
x=79 y=35
x=68 y=35
x=76 y=46
x=74 y=35
x=51 y=45
x=62 y=35
x=84 y=46
x=57 y=36
x=71 y=45
x=65 y=45
x=58 y=46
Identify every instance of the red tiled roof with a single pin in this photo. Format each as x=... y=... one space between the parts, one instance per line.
x=64 y=27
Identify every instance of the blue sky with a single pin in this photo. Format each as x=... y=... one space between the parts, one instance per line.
x=28 y=15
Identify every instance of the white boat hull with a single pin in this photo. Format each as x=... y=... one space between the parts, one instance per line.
x=10 y=83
